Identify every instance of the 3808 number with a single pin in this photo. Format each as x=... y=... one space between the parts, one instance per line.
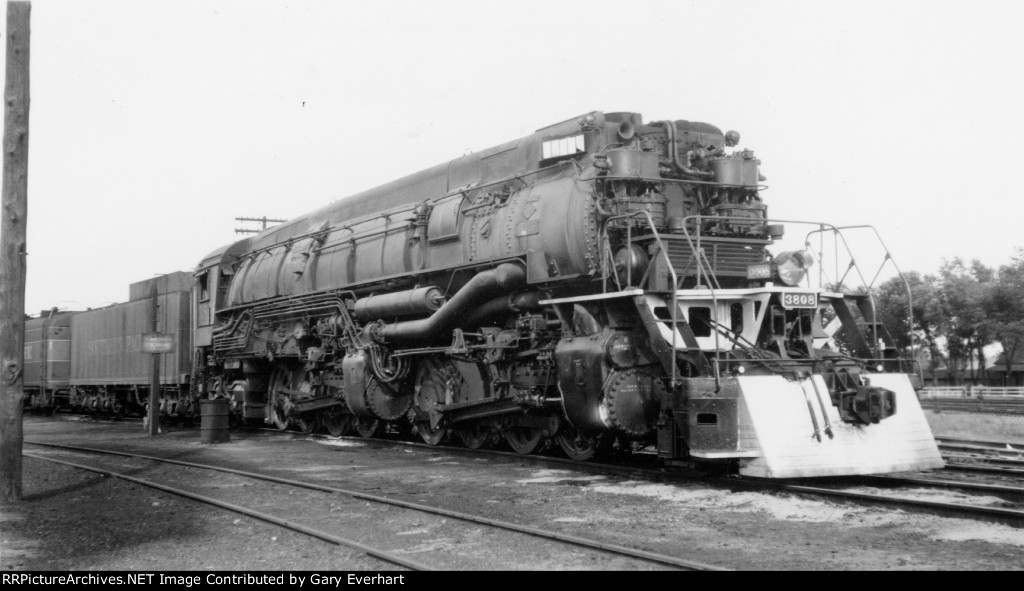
x=799 y=300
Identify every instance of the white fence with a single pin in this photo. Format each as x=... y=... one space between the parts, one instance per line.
x=983 y=392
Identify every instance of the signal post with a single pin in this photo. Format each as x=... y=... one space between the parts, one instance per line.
x=156 y=344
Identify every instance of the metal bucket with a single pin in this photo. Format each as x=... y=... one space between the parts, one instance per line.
x=213 y=426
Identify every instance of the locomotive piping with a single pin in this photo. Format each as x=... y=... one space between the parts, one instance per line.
x=529 y=301
x=670 y=129
x=481 y=288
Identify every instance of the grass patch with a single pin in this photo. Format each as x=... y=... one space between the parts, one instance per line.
x=1009 y=428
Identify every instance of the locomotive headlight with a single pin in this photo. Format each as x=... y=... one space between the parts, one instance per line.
x=792 y=266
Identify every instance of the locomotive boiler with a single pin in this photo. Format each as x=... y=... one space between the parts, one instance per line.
x=602 y=283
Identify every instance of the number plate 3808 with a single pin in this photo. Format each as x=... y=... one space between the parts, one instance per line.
x=799 y=300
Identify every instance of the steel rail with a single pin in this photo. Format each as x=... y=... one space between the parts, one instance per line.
x=948 y=484
x=1012 y=516
x=959 y=467
x=995 y=444
x=1012 y=464
x=525 y=529
x=975 y=451
x=990 y=450
x=327 y=537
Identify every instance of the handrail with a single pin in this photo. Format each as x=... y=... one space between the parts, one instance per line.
x=837 y=231
x=899 y=273
x=629 y=275
x=704 y=268
x=698 y=219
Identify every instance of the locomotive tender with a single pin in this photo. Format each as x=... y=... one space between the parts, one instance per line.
x=602 y=282
x=92 y=361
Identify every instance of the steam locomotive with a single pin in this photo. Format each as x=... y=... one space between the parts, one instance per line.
x=603 y=283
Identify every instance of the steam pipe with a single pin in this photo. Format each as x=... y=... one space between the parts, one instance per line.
x=481 y=288
x=670 y=130
x=504 y=304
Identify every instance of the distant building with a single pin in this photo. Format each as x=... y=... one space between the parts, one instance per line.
x=1012 y=373
x=936 y=373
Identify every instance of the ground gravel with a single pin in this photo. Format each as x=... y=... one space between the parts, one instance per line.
x=74 y=520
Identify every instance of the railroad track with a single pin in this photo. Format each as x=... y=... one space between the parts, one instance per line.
x=631 y=558
x=1003 y=464
x=844 y=488
x=849 y=488
x=1013 y=453
x=1017 y=446
x=984 y=457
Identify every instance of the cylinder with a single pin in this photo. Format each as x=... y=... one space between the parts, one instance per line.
x=414 y=302
x=213 y=426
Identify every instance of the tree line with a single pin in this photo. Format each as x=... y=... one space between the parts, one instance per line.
x=957 y=313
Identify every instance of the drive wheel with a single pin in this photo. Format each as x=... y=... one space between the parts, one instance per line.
x=338 y=424
x=524 y=440
x=308 y=424
x=577 y=446
x=474 y=437
x=434 y=382
x=369 y=428
x=278 y=418
x=428 y=435
x=279 y=403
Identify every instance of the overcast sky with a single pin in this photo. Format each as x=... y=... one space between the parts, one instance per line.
x=155 y=123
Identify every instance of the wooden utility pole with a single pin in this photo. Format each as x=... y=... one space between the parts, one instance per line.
x=265 y=220
x=14 y=216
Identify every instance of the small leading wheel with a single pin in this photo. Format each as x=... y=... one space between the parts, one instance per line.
x=369 y=428
x=524 y=440
x=430 y=436
x=576 y=445
x=474 y=437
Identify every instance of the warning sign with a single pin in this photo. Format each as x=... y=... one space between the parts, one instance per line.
x=155 y=342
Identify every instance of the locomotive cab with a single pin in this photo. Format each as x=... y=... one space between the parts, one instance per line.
x=212 y=278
